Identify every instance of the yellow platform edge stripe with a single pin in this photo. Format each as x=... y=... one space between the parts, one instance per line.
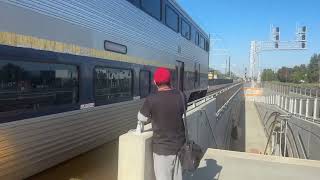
x=18 y=40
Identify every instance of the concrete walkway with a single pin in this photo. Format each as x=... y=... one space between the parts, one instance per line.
x=229 y=165
x=255 y=138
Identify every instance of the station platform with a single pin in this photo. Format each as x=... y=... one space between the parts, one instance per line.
x=255 y=137
x=251 y=135
x=230 y=165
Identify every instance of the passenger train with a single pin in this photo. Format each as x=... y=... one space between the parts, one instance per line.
x=73 y=73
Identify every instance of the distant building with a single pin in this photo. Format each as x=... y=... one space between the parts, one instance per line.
x=212 y=74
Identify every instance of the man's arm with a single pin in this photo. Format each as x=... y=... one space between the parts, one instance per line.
x=142 y=118
x=145 y=112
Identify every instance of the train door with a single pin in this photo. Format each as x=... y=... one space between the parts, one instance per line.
x=196 y=75
x=180 y=75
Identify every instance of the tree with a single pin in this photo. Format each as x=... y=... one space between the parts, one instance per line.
x=299 y=74
x=268 y=75
x=313 y=69
x=284 y=74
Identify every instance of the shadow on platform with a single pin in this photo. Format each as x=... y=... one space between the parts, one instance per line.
x=209 y=171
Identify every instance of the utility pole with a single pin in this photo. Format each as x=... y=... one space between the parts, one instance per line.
x=226 y=70
x=229 y=67
x=319 y=71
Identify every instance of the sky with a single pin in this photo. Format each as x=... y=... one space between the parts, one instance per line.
x=233 y=24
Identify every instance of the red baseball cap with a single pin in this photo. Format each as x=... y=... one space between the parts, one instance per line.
x=162 y=76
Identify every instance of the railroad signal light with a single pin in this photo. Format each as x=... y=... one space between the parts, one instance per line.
x=302 y=36
x=276 y=36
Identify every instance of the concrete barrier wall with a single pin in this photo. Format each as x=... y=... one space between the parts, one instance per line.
x=201 y=122
x=213 y=82
x=135 y=156
x=303 y=136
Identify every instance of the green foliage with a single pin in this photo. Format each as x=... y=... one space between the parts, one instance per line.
x=268 y=75
x=284 y=74
x=313 y=68
x=298 y=74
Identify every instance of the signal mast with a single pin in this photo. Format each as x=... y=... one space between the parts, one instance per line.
x=275 y=44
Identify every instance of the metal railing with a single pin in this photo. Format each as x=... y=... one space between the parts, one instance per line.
x=285 y=89
x=223 y=96
x=301 y=107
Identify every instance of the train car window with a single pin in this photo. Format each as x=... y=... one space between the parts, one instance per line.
x=172 y=19
x=31 y=86
x=197 y=38
x=152 y=7
x=193 y=35
x=207 y=46
x=185 y=29
x=202 y=42
x=135 y=2
x=145 y=83
x=112 y=85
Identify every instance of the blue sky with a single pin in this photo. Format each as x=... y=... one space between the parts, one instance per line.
x=235 y=23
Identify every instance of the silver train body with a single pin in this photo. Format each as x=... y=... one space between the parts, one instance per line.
x=80 y=28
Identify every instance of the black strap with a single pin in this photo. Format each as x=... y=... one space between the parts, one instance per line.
x=184 y=116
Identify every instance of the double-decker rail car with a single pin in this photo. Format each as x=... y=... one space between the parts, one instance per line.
x=73 y=73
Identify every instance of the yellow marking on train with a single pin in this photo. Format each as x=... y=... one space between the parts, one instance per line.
x=18 y=40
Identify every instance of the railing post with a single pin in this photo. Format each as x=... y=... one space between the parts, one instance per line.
x=301 y=107
x=291 y=105
x=305 y=91
x=316 y=109
x=273 y=99
x=308 y=107
x=295 y=108
x=290 y=89
x=286 y=103
x=310 y=92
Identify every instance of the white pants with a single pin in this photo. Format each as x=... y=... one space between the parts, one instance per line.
x=167 y=167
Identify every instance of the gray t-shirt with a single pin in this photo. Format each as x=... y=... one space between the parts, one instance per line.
x=165 y=109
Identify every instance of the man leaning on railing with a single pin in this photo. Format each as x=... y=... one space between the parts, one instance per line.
x=165 y=109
